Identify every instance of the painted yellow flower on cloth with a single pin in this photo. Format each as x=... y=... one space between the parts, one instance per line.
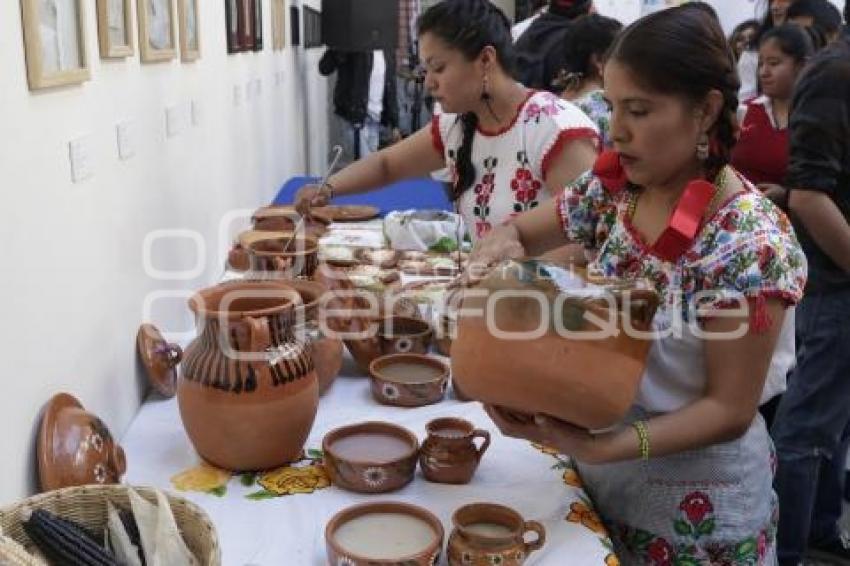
x=612 y=560
x=572 y=478
x=545 y=449
x=581 y=513
x=291 y=480
x=203 y=477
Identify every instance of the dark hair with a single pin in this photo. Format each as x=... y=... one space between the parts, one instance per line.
x=570 y=9
x=740 y=29
x=660 y=51
x=793 y=41
x=469 y=26
x=589 y=35
x=704 y=6
x=767 y=24
x=823 y=13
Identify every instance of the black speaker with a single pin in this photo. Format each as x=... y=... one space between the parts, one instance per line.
x=360 y=25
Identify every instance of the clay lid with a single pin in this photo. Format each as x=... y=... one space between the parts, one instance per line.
x=426 y=555
x=347 y=212
x=288 y=211
x=75 y=447
x=159 y=358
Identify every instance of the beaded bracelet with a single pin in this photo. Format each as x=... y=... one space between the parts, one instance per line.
x=643 y=438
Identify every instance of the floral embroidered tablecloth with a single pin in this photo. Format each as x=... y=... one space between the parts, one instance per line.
x=278 y=518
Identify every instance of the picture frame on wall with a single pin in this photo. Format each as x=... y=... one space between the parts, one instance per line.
x=55 y=42
x=157 y=37
x=231 y=17
x=312 y=28
x=190 y=32
x=257 y=25
x=278 y=25
x=115 y=28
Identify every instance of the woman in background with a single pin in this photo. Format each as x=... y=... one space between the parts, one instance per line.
x=586 y=45
x=761 y=153
x=748 y=61
x=742 y=37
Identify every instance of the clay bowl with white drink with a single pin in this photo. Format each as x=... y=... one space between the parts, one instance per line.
x=370 y=457
x=384 y=533
x=408 y=380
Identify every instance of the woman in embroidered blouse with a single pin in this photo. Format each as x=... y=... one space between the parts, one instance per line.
x=761 y=153
x=508 y=149
x=689 y=482
x=587 y=42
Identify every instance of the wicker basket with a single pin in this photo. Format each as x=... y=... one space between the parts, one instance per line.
x=87 y=506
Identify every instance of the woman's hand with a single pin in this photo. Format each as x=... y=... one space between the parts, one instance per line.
x=542 y=429
x=309 y=196
x=500 y=244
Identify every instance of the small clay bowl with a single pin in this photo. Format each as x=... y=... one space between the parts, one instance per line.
x=290 y=256
x=75 y=447
x=385 y=259
x=404 y=335
x=370 y=457
x=408 y=380
x=401 y=525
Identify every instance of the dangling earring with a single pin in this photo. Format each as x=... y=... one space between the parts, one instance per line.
x=485 y=91
x=703 y=147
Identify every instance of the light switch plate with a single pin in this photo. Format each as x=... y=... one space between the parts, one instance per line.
x=173 y=121
x=126 y=140
x=79 y=152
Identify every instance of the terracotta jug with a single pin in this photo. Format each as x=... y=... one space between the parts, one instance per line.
x=289 y=256
x=578 y=370
x=248 y=391
x=486 y=533
x=449 y=454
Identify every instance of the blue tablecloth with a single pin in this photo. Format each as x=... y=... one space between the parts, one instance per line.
x=414 y=193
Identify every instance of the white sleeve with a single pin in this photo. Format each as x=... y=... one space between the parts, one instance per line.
x=748 y=66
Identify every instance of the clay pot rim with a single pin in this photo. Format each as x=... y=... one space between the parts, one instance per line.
x=197 y=302
x=431 y=427
x=370 y=427
x=427 y=330
x=361 y=509
x=381 y=362
x=517 y=528
x=47 y=474
x=311 y=246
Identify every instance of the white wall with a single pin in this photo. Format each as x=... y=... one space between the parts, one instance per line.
x=73 y=284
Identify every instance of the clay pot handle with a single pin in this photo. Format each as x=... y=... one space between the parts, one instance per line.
x=481 y=433
x=259 y=333
x=536 y=544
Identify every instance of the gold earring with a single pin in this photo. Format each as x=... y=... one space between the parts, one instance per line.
x=703 y=147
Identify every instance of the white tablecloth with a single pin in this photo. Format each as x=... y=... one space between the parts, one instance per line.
x=289 y=530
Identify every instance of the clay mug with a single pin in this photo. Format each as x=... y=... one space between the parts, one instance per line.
x=449 y=453
x=487 y=533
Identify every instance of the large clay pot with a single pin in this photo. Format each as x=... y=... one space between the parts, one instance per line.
x=248 y=391
x=576 y=370
x=285 y=256
x=326 y=350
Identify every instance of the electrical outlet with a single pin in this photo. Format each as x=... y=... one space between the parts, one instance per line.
x=126 y=140
x=79 y=152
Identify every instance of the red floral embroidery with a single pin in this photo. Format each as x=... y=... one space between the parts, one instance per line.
x=660 y=552
x=482 y=228
x=532 y=112
x=696 y=506
x=524 y=186
x=483 y=193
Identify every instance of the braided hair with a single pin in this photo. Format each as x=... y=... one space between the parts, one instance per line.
x=661 y=49
x=469 y=26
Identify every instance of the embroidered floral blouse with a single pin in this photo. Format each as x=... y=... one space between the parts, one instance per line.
x=593 y=104
x=747 y=248
x=511 y=164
